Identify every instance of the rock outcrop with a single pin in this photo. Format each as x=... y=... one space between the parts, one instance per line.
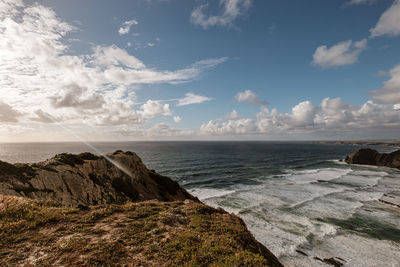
x=367 y=156
x=116 y=212
x=88 y=179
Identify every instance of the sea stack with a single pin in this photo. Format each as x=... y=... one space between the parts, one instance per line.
x=367 y=156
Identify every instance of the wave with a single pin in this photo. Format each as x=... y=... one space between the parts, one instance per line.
x=207 y=193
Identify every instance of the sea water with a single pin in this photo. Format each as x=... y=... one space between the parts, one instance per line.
x=293 y=196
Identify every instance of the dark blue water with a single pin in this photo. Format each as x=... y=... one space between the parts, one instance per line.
x=292 y=195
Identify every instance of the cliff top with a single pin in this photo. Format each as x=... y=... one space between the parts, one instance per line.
x=149 y=233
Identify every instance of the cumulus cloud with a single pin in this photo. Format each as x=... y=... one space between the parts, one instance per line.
x=249 y=97
x=330 y=116
x=389 y=22
x=96 y=88
x=191 y=98
x=389 y=93
x=232 y=116
x=153 y=108
x=341 y=54
x=126 y=26
x=177 y=119
x=229 y=10
x=229 y=127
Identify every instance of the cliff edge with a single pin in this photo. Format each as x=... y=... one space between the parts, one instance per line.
x=86 y=210
x=88 y=179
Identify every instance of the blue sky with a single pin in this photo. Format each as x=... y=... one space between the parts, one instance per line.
x=97 y=64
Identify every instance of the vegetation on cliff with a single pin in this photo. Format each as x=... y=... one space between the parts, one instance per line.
x=150 y=233
x=83 y=209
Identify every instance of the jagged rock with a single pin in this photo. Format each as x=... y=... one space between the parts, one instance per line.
x=88 y=179
x=367 y=156
x=337 y=262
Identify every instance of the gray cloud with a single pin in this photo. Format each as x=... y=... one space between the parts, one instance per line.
x=8 y=113
x=249 y=97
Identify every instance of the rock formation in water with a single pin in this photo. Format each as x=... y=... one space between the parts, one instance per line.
x=84 y=210
x=367 y=156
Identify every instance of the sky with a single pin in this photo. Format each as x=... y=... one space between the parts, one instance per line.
x=127 y=70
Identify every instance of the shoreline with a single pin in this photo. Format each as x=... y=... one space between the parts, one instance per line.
x=362 y=143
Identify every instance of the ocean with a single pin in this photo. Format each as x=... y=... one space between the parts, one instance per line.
x=293 y=196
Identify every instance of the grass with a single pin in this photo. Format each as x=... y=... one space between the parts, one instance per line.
x=18 y=169
x=148 y=233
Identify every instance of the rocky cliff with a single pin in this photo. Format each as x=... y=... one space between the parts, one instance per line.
x=117 y=213
x=88 y=179
x=367 y=156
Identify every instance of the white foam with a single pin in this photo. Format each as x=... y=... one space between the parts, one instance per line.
x=207 y=193
x=284 y=213
x=325 y=174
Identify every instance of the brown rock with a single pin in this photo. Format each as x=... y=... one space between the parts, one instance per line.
x=88 y=179
x=367 y=156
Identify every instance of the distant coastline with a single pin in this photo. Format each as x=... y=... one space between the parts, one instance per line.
x=363 y=143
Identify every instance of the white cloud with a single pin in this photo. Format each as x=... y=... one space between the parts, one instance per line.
x=150 y=44
x=121 y=75
x=229 y=127
x=153 y=108
x=230 y=10
x=303 y=114
x=177 y=119
x=389 y=93
x=233 y=116
x=126 y=26
x=115 y=56
x=10 y=7
x=343 y=53
x=359 y=2
x=332 y=116
x=96 y=88
x=389 y=22
x=191 y=98
x=249 y=97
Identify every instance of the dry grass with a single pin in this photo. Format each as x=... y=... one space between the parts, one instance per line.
x=148 y=233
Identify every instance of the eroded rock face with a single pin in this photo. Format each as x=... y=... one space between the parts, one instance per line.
x=89 y=180
x=367 y=156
